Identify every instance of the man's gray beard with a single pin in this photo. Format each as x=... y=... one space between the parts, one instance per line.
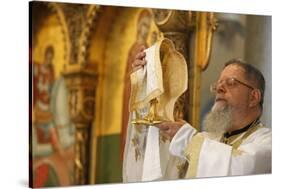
x=217 y=121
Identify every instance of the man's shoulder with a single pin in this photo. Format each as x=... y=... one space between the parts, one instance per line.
x=261 y=134
x=263 y=129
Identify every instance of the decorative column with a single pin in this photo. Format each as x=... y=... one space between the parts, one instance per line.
x=206 y=24
x=179 y=27
x=81 y=84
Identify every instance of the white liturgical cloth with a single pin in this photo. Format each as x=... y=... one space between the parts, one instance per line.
x=164 y=78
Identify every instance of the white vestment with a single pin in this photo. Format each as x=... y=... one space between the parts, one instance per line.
x=249 y=153
x=146 y=155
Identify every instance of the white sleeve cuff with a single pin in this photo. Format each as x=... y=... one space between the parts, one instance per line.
x=181 y=139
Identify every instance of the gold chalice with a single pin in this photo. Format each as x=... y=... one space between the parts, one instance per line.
x=152 y=118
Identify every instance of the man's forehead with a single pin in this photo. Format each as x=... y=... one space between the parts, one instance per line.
x=232 y=70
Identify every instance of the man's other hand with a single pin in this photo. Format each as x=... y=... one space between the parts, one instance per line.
x=169 y=129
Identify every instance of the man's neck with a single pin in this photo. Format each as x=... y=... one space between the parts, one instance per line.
x=242 y=121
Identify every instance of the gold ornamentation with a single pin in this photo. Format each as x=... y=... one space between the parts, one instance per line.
x=137 y=153
x=230 y=139
x=236 y=152
x=88 y=26
x=182 y=168
x=75 y=15
x=135 y=141
x=192 y=153
x=82 y=85
x=136 y=144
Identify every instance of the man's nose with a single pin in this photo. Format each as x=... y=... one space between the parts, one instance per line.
x=220 y=88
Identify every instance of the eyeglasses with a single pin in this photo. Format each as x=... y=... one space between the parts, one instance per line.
x=229 y=83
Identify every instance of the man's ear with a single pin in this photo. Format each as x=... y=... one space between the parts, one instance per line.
x=255 y=98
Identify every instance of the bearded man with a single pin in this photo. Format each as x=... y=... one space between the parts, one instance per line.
x=234 y=141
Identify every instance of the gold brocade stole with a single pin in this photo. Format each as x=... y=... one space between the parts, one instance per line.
x=192 y=153
x=236 y=140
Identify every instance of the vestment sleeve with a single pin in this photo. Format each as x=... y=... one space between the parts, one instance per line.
x=181 y=139
x=209 y=158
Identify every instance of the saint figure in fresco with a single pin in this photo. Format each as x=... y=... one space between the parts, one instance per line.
x=52 y=130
